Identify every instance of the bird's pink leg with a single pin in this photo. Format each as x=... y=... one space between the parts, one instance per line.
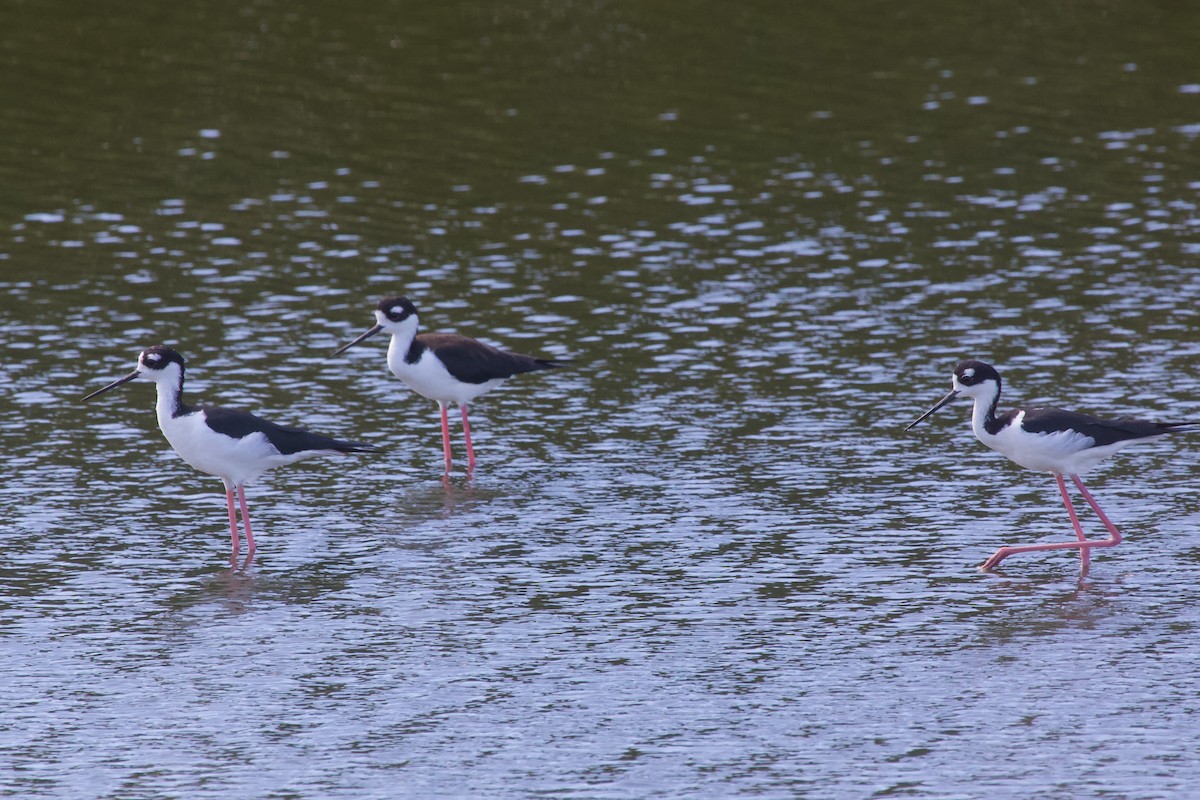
x=233 y=529
x=445 y=436
x=1082 y=544
x=1085 y=553
x=1005 y=552
x=467 y=434
x=246 y=521
x=1115 y=535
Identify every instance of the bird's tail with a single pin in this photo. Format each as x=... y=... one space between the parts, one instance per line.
x=1174 y=426
x=354 y=447
x=532 y=364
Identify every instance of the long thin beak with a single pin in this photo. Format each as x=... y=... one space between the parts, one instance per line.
x=112 y=385
x=371 y=331
x=953 y=394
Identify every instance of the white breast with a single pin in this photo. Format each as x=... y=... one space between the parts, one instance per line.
x=1064 y=452
x=236 y=461
x=430 y=379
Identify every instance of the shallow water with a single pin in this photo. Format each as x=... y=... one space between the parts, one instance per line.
x=704 y=560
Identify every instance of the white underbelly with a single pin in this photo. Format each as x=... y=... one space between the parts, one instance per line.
x=234 y=460
x=1065 y=452
x=430 y=379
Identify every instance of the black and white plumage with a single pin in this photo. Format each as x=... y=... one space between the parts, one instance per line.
x=444 y=367
x=236 y=446
x=1048 y=439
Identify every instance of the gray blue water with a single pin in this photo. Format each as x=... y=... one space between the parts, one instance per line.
x=703 y=561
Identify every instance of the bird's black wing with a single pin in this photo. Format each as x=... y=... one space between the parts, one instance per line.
x=472 y=361
x=286 y=440
x=1102 y=431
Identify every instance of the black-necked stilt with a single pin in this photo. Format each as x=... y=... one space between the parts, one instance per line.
x=235 y=446
x=1049 y=440
x=444 y=367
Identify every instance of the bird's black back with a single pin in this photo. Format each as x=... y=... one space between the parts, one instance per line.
x=472 y=361
x=1103 y=431
x=286 y=440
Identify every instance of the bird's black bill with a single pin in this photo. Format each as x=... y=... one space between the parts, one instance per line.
x=953 y=394
x=112 y=385
x=374 y=329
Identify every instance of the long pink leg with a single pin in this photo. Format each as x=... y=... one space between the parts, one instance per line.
x=467 y=433
x=233 y=529
x=1115 y=535
x=445 y=436
x=1085 y=553
x=1082 y=543
x=246 y=521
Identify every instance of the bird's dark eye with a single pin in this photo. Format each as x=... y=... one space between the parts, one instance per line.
x=397 y=312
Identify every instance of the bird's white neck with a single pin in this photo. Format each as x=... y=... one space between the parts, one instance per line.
x=170 y=397
x=402 y=339
x=983 y=414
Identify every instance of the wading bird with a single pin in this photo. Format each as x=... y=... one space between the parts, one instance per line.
x=444 y=367
x=1063 y=443
x=235 y=446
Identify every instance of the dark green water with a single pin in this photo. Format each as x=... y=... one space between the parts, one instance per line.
x=704 y=561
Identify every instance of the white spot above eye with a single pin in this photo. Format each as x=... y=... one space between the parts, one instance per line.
x=151 y=357
x=969 y=372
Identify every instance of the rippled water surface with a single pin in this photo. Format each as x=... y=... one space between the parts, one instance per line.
x=704 y=560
